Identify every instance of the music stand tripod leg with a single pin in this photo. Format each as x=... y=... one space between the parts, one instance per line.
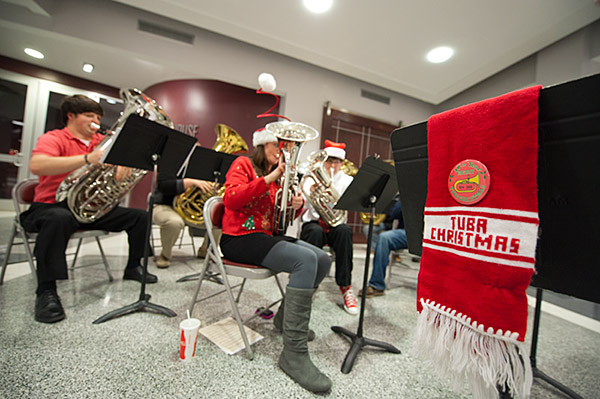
x=143 y=301
x=537 y=373
x=358 y=341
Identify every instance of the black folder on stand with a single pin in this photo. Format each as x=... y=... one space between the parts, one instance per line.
x=207 y=164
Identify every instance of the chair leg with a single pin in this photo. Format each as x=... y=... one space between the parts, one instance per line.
x=181 y=237
x=76 y=254
x=7 y=255
x=237 y=299
x=389 y=272
x=236 y=313
x=110 y=277
x=279 y=286
x=213 y=250
x=200 y=280
x=29 y=254
x=189 y=229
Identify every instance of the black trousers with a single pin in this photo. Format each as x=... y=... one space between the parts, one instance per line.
x=55 y=224
x=340 y=240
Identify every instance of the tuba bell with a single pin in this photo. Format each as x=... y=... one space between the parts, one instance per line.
x=324 y=196
x=292 y=136
x=92 y=190
x=190 y=204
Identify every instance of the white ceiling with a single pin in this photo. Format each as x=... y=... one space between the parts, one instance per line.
x=382 y=42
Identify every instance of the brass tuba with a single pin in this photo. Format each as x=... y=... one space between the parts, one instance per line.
x=293 y=135
x=92 y=190
x=189 y=204
x=324 y=196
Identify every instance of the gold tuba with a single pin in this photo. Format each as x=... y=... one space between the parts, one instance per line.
x=323 y=197
x=92 y=190
x=293 y=135
x=189 y=204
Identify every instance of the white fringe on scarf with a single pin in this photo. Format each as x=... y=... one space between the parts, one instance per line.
x=457 y=348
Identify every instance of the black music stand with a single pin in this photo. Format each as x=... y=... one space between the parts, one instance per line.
x=207 y=164
x=372 y=189
x=147 y=145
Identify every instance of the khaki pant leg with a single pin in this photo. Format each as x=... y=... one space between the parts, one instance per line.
x=170 y=224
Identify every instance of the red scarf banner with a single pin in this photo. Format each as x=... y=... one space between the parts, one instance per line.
x=481 y=223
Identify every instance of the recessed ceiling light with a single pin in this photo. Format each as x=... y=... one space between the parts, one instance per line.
x=318 y=6
x=440 y=54
x=34 y=53
x=87 y=67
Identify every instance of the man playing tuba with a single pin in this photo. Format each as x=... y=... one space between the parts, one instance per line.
x=57 y=153
x=318 y=232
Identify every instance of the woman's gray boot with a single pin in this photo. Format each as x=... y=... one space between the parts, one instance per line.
x=278 y=321
x=294 y=359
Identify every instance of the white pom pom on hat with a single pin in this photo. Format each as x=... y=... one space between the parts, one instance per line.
x=266 y=82
x=262 y=136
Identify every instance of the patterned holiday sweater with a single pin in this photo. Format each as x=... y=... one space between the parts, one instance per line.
x=249 y=201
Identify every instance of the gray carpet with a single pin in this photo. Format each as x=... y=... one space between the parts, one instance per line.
x=137 y=355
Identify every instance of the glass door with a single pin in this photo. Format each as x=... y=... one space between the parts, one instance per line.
x=17 y=107
x=28 y=108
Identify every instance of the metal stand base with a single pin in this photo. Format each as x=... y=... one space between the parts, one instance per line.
x=143 y=301
x=214 y=277
x=537 y=373
x=357 y=344
x=138 y=306
x=358 y=341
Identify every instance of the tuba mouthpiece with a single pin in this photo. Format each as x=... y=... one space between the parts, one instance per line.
x=99 y=129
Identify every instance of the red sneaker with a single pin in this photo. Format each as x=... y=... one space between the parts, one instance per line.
x=350 y=305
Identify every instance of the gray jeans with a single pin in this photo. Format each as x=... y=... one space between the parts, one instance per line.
x=307 y=264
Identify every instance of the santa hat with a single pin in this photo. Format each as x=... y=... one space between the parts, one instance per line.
x=335 y=150
x=263 y=136
x=267 y=84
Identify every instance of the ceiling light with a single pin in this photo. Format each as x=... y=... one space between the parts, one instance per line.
x=87 y=67
x=439 y=54
x=318 y=6
x=34 y=53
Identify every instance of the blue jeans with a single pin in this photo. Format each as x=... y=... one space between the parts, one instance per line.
x=377 y=229
x=388 y=241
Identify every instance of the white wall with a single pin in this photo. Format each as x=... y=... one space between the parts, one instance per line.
x=134 y=58
x=573 y=57
x=111 y=28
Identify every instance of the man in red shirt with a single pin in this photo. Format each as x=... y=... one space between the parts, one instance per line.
x=57 y=153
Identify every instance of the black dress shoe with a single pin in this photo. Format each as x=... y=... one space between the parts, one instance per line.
x=48 y=308
x=137 y=273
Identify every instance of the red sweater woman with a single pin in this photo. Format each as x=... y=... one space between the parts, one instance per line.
x=249 y=199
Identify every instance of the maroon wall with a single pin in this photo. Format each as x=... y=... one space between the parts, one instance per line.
x=197 y=106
